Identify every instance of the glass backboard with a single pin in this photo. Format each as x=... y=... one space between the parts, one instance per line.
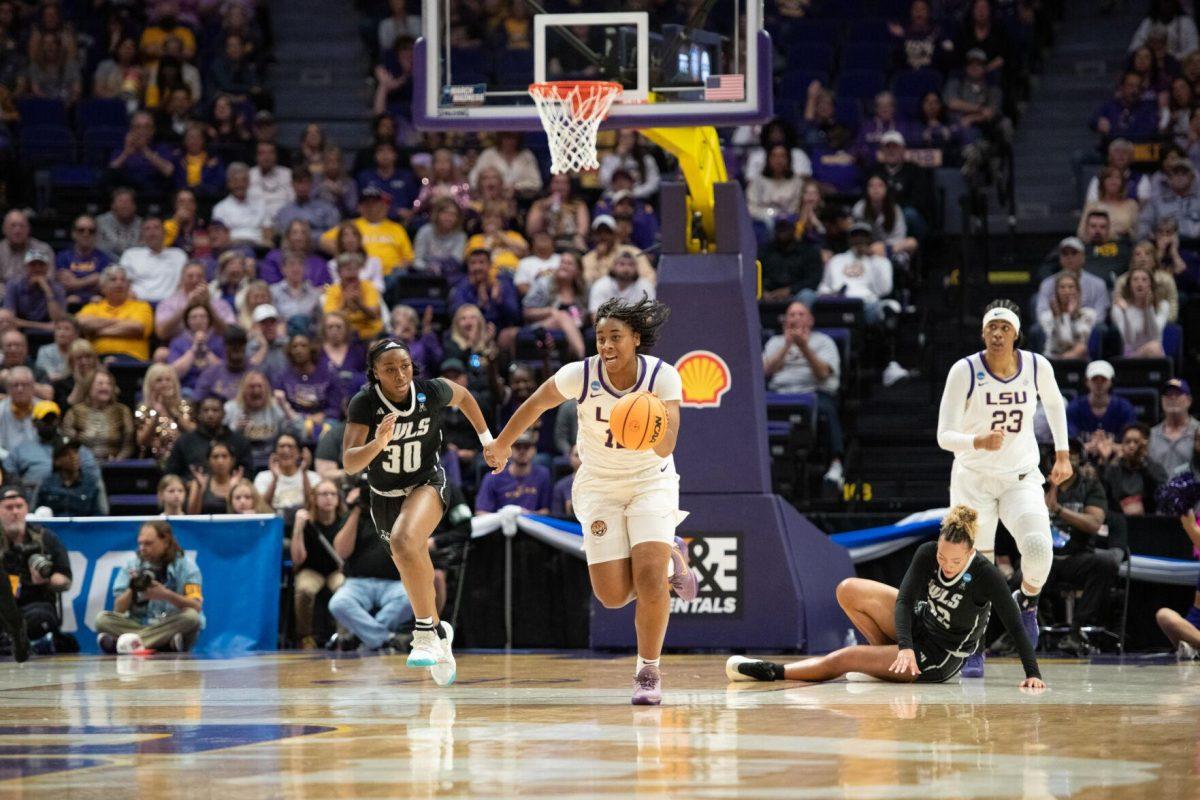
x=692 y=62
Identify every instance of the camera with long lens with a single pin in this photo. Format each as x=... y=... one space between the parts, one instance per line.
x=28 y=554
x=141 y=580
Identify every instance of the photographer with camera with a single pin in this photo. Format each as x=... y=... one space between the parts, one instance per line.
x=372 y=604
x=157 y=595
x=38 y=561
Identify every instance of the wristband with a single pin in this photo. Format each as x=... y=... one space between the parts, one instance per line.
x=485 y=438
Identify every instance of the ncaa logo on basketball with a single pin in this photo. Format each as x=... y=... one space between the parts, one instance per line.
x=706 y=378
x=716 y=559
x=599 y=528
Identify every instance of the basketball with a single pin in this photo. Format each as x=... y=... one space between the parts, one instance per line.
x=638 y=421
x=129 y=643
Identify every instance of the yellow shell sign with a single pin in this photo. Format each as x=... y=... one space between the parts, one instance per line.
x=705 y=377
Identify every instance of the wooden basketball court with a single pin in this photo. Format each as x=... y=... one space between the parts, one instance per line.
x=560 y=725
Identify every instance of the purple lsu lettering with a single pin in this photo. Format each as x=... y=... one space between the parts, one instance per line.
x=1005 y=398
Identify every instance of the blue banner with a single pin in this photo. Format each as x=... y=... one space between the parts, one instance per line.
x=240 y=560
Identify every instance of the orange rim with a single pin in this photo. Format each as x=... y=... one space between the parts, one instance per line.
x=563 y=90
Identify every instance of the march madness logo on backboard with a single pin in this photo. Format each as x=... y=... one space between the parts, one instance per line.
x=705 y=377
x=716 y=558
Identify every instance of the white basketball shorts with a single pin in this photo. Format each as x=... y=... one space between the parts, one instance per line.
x=998 y=498
x=617 y=514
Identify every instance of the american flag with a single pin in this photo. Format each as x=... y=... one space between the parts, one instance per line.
x=725 y=87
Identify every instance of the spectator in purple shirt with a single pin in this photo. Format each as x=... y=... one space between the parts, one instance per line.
x=834 y=166
x=140 y=163
x=342 y=352
x=394 y=181
x=1099 y=409
x=197 y=347
x=496 y=296
x=872 y=130
x=425 y=349
x=308 y=385
x=560 y=497
x=223 y=379
x=297 y=240
x=79 y=267
x=521 y=483
x=1127 y=114
x=36 y=299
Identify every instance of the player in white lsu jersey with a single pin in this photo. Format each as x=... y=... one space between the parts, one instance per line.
x=986 y=420
x=626 y=500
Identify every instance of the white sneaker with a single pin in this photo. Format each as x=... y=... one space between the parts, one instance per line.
x=835 y=475
x=445 y=670
x=426 y=649
x=1185 y=652
x=893 y=373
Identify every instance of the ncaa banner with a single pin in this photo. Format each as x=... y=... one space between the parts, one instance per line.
x=240 y=560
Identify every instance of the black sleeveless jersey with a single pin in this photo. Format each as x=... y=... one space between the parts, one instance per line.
x=413 y=458
x=953 y=614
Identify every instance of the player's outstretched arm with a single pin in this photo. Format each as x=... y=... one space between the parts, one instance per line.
x=667 y=445
x=545 y=398
x=462 y=399
x=1056 y=415
x=1005 y=606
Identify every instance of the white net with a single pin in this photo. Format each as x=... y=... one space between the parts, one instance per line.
x=571 y=114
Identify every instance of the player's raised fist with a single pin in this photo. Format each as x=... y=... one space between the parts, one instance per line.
x=992 y=440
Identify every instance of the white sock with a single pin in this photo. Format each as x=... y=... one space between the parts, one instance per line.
x=424 y=623
x=670 y=568
x=645 y=662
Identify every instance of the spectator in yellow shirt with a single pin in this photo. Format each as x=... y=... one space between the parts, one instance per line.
x=117 y=324
x=506 y=247
x=358 y=300
x=382 y=238
x=166 y=26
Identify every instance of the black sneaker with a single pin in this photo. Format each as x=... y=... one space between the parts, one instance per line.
x=740 y=668
x=107 y=643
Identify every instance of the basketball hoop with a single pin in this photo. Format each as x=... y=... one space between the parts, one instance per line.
x=571 y=113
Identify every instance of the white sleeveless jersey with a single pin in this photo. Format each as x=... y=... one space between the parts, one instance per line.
x=587 y=383
x=990 y=403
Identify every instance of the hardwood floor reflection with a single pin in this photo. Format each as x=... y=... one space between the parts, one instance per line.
x=560 y=725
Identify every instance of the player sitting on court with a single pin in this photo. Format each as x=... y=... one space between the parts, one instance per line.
x=923 y=632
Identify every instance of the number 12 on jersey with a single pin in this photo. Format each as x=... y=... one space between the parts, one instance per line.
x=402 y=458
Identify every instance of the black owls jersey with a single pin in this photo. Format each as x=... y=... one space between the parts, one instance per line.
x=953 y=614
x=413 y=458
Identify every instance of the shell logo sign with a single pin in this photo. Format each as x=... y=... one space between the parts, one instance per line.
x=706 y=378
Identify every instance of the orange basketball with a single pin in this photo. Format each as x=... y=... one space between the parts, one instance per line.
x=638 y=421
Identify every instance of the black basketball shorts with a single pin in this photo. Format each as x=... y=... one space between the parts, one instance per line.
x=386 y=508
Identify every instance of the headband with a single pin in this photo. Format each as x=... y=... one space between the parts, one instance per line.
x=1004 y=315
x=391 y=345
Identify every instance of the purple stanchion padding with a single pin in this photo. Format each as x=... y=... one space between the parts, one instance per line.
x=459 y=120
x=767 y=575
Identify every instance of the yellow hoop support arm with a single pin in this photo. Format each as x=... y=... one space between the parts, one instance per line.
x=698 y=151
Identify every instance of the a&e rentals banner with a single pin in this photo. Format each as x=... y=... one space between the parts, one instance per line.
x=240 y=560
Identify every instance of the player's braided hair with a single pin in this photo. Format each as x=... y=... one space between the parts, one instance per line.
x=644 y=318
x=379 y=348
x=959 y=524
x=1014 y=308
